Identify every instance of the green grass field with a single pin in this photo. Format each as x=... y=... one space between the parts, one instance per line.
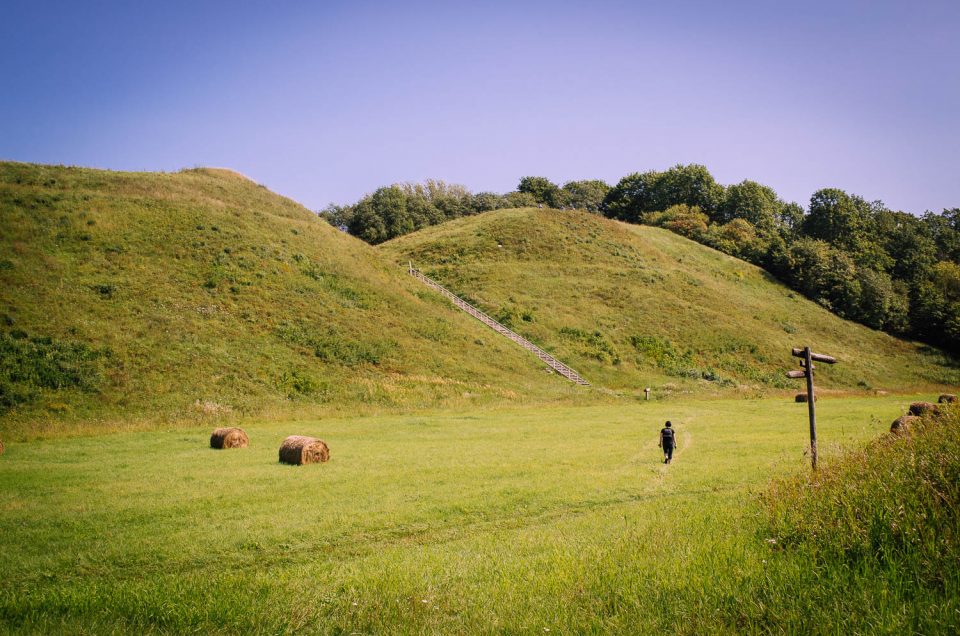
x=534 y=520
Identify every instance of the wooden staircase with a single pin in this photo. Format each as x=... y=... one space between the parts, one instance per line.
x=458 y=302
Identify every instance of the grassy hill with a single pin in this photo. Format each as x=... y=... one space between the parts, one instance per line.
x=632 y=306
x=128 y=298
x=133 y=299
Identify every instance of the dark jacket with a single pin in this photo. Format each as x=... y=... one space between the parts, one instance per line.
x=668 y=437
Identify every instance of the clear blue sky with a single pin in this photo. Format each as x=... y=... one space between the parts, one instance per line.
x=325 y=101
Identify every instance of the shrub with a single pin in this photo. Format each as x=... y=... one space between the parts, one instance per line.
x=591 y=344
x=682 y=219
x=332 y=346
x=680 y=364
x=297 y=383
x=29 y=364
x=106 y=290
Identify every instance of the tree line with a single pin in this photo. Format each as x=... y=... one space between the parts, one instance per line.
x=886 y=269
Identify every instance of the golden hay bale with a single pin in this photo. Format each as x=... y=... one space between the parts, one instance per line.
x=298 y=449
x=902 y=425
x=229 y=437
x=922 y=408
x=802 y=397
x=947 y=398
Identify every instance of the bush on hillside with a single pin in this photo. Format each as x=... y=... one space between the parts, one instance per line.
x=591 y=344
x=682 y=219
x=30 y=364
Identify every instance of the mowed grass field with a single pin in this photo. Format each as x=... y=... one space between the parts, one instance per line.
x=558 y=520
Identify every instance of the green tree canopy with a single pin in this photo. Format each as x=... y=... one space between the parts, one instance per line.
x=631 y=197
x=382 y=216
x=753 y=202
x=543 y=190
x=691 y=185
x=944 y=229
x=826 y=275
x=586 y=195
x=849 y=223
x=519 y=200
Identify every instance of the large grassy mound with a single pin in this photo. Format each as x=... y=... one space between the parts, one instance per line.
x=632 y=306
x=148 y=297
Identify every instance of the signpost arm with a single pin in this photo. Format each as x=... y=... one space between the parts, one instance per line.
x=811 y=405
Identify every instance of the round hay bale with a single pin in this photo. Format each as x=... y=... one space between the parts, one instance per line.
x=902 y=425
x=802 y=397
x=229 y=437
x=922 y=408
x=298 y=449
x=947 y=398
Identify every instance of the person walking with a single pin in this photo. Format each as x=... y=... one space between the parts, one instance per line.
x=668 y=441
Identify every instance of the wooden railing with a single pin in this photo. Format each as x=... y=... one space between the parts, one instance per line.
x=458 y=302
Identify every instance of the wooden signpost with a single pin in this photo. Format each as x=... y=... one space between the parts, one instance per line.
x=807 y=367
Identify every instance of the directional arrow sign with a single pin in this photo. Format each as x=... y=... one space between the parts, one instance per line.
x=819 y=357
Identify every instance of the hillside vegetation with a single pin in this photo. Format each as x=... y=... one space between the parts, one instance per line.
x=132 y=299
x=128 y=297
x=632 y=306
x=885 y=269
x=880 y=527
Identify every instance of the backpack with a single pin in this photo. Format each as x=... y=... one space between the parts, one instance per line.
x=667 y=436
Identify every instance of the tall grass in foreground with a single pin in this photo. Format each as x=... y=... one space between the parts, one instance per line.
x=497 y=522
x=876 y=532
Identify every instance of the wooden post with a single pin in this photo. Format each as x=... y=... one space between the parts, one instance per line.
x=647 y=392
x=811 y=406
x=806 y=364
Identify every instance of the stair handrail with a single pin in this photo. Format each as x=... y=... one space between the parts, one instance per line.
x=552 y=362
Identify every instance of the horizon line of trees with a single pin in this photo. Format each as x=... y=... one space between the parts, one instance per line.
x=886 y=269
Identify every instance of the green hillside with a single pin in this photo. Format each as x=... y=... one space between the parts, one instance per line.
x=134 y=299
x=142 y=298
x=632 y=306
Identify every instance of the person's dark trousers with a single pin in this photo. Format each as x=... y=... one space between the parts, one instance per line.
x=668 y=451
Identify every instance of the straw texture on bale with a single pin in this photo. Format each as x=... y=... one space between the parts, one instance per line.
x=902 y=425
x=802 y=397
x=920 y=408
x=298 y=449
x=229 y=438
x=947 y=398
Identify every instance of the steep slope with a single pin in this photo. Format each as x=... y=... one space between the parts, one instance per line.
x=150 y=297
x=632 y=306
